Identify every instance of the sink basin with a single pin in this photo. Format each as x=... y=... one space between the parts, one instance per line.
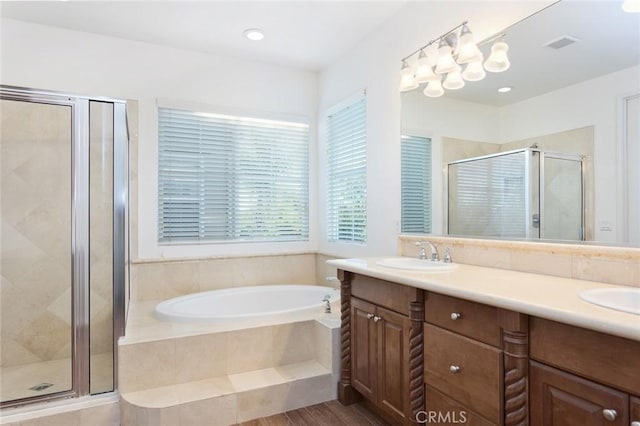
x=620 y=299
x=413 y=264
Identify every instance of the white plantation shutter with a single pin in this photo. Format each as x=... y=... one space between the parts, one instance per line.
x=347 y=177
x=225 y=178
x=416 y=184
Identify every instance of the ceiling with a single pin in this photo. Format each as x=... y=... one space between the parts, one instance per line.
x=300 y=34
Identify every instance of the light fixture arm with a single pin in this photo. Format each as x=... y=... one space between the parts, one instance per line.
x=442 y=37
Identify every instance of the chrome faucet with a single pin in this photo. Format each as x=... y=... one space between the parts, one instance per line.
x=327 y=304
x=423 y=251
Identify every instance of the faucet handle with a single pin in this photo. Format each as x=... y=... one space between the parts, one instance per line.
x=447 y=257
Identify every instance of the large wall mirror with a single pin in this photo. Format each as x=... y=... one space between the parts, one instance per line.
x=573 y=106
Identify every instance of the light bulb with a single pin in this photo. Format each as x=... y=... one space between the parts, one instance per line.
x=445 y=58
x=631 y=6
x=498 y=60
x=407 y=81
x=467 y=48
x=474 y=71
x=434 y=89
x=424 y=72
x=454 y=80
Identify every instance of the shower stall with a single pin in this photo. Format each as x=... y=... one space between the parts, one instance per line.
x=63 y=243
x=525 y=193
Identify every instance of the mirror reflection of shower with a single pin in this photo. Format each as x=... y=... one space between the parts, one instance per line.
x=63 y=170
x=526 y=193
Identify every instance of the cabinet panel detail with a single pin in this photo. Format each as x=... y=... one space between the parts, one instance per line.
x=559 y=398
x=607 y=359
x=468 y=371
x=440 y=409
x=363 y=348
x=471 y=319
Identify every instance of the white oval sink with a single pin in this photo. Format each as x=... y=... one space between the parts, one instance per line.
x=413 y=264
x=619 y=299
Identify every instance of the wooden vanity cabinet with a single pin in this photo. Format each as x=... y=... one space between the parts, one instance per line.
x=582 y=377
x=379 y=347
x=464 y=359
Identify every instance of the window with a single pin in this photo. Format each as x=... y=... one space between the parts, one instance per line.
x=224 y=178
x=347 y=177
x=416 y=184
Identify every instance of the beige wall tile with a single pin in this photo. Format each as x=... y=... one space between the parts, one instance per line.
x=146 y=365
x=605 y=270
x=293 y=343
x=262 y=402
x=215 y=274
x=220 y=411
x=558 y=265
x=201 y=357
x=249 y=349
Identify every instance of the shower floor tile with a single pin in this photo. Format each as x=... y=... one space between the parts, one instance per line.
x=15 y=381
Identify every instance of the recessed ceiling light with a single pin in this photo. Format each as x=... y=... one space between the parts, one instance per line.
x=254 y=34
x=505 y=89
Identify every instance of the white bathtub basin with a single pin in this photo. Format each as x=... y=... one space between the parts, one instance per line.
x=268 y=302
x=413 y=264
x=619 y=299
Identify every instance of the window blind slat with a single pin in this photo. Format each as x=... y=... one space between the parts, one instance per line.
x=226 y=178
x=415 y=184
x=347 y=173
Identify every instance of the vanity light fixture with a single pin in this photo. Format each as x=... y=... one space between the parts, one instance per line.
x=254 y=34
x=453 y=51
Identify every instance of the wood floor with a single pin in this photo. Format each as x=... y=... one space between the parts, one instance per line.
x=330 y=413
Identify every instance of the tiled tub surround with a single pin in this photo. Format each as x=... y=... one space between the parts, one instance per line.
x=161 y=279
x=605 y=264
x=180 y=373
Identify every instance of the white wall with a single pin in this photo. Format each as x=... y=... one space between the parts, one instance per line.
x=374 y=65
x=49 y=58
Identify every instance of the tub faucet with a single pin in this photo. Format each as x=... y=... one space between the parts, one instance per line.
x=423 y=251
x=327 y=304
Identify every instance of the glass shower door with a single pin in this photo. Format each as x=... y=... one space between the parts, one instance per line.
x=561 y=196
x=36 y=267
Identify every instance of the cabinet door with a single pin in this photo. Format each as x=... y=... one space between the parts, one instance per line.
x=393 y=362
x=562 y=399
x=363 y=348
x=634 y=404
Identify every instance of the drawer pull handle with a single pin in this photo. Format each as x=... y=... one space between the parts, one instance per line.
x=609 y=414
x=456 y=316
x=635 y=423
x=369 y=316
x=455 y=369
x=376 y=318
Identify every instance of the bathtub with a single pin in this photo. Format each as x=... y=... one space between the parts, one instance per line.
x=264 y=303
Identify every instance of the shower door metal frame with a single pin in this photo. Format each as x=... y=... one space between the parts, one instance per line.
x=80 y=357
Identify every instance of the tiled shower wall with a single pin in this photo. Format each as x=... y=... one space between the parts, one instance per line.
x=35 y=215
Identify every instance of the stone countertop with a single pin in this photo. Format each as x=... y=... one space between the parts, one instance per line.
x=544 y=296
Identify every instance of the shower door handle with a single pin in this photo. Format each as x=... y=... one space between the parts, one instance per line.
x=535 y=220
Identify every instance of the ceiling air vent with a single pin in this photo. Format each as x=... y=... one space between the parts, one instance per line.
x=561 y=42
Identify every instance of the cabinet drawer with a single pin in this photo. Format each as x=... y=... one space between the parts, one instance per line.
x=396 y=297
x=471 y=319
x=440 y=409
x=607 y=359
x=477 y=382
x=559 y=398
